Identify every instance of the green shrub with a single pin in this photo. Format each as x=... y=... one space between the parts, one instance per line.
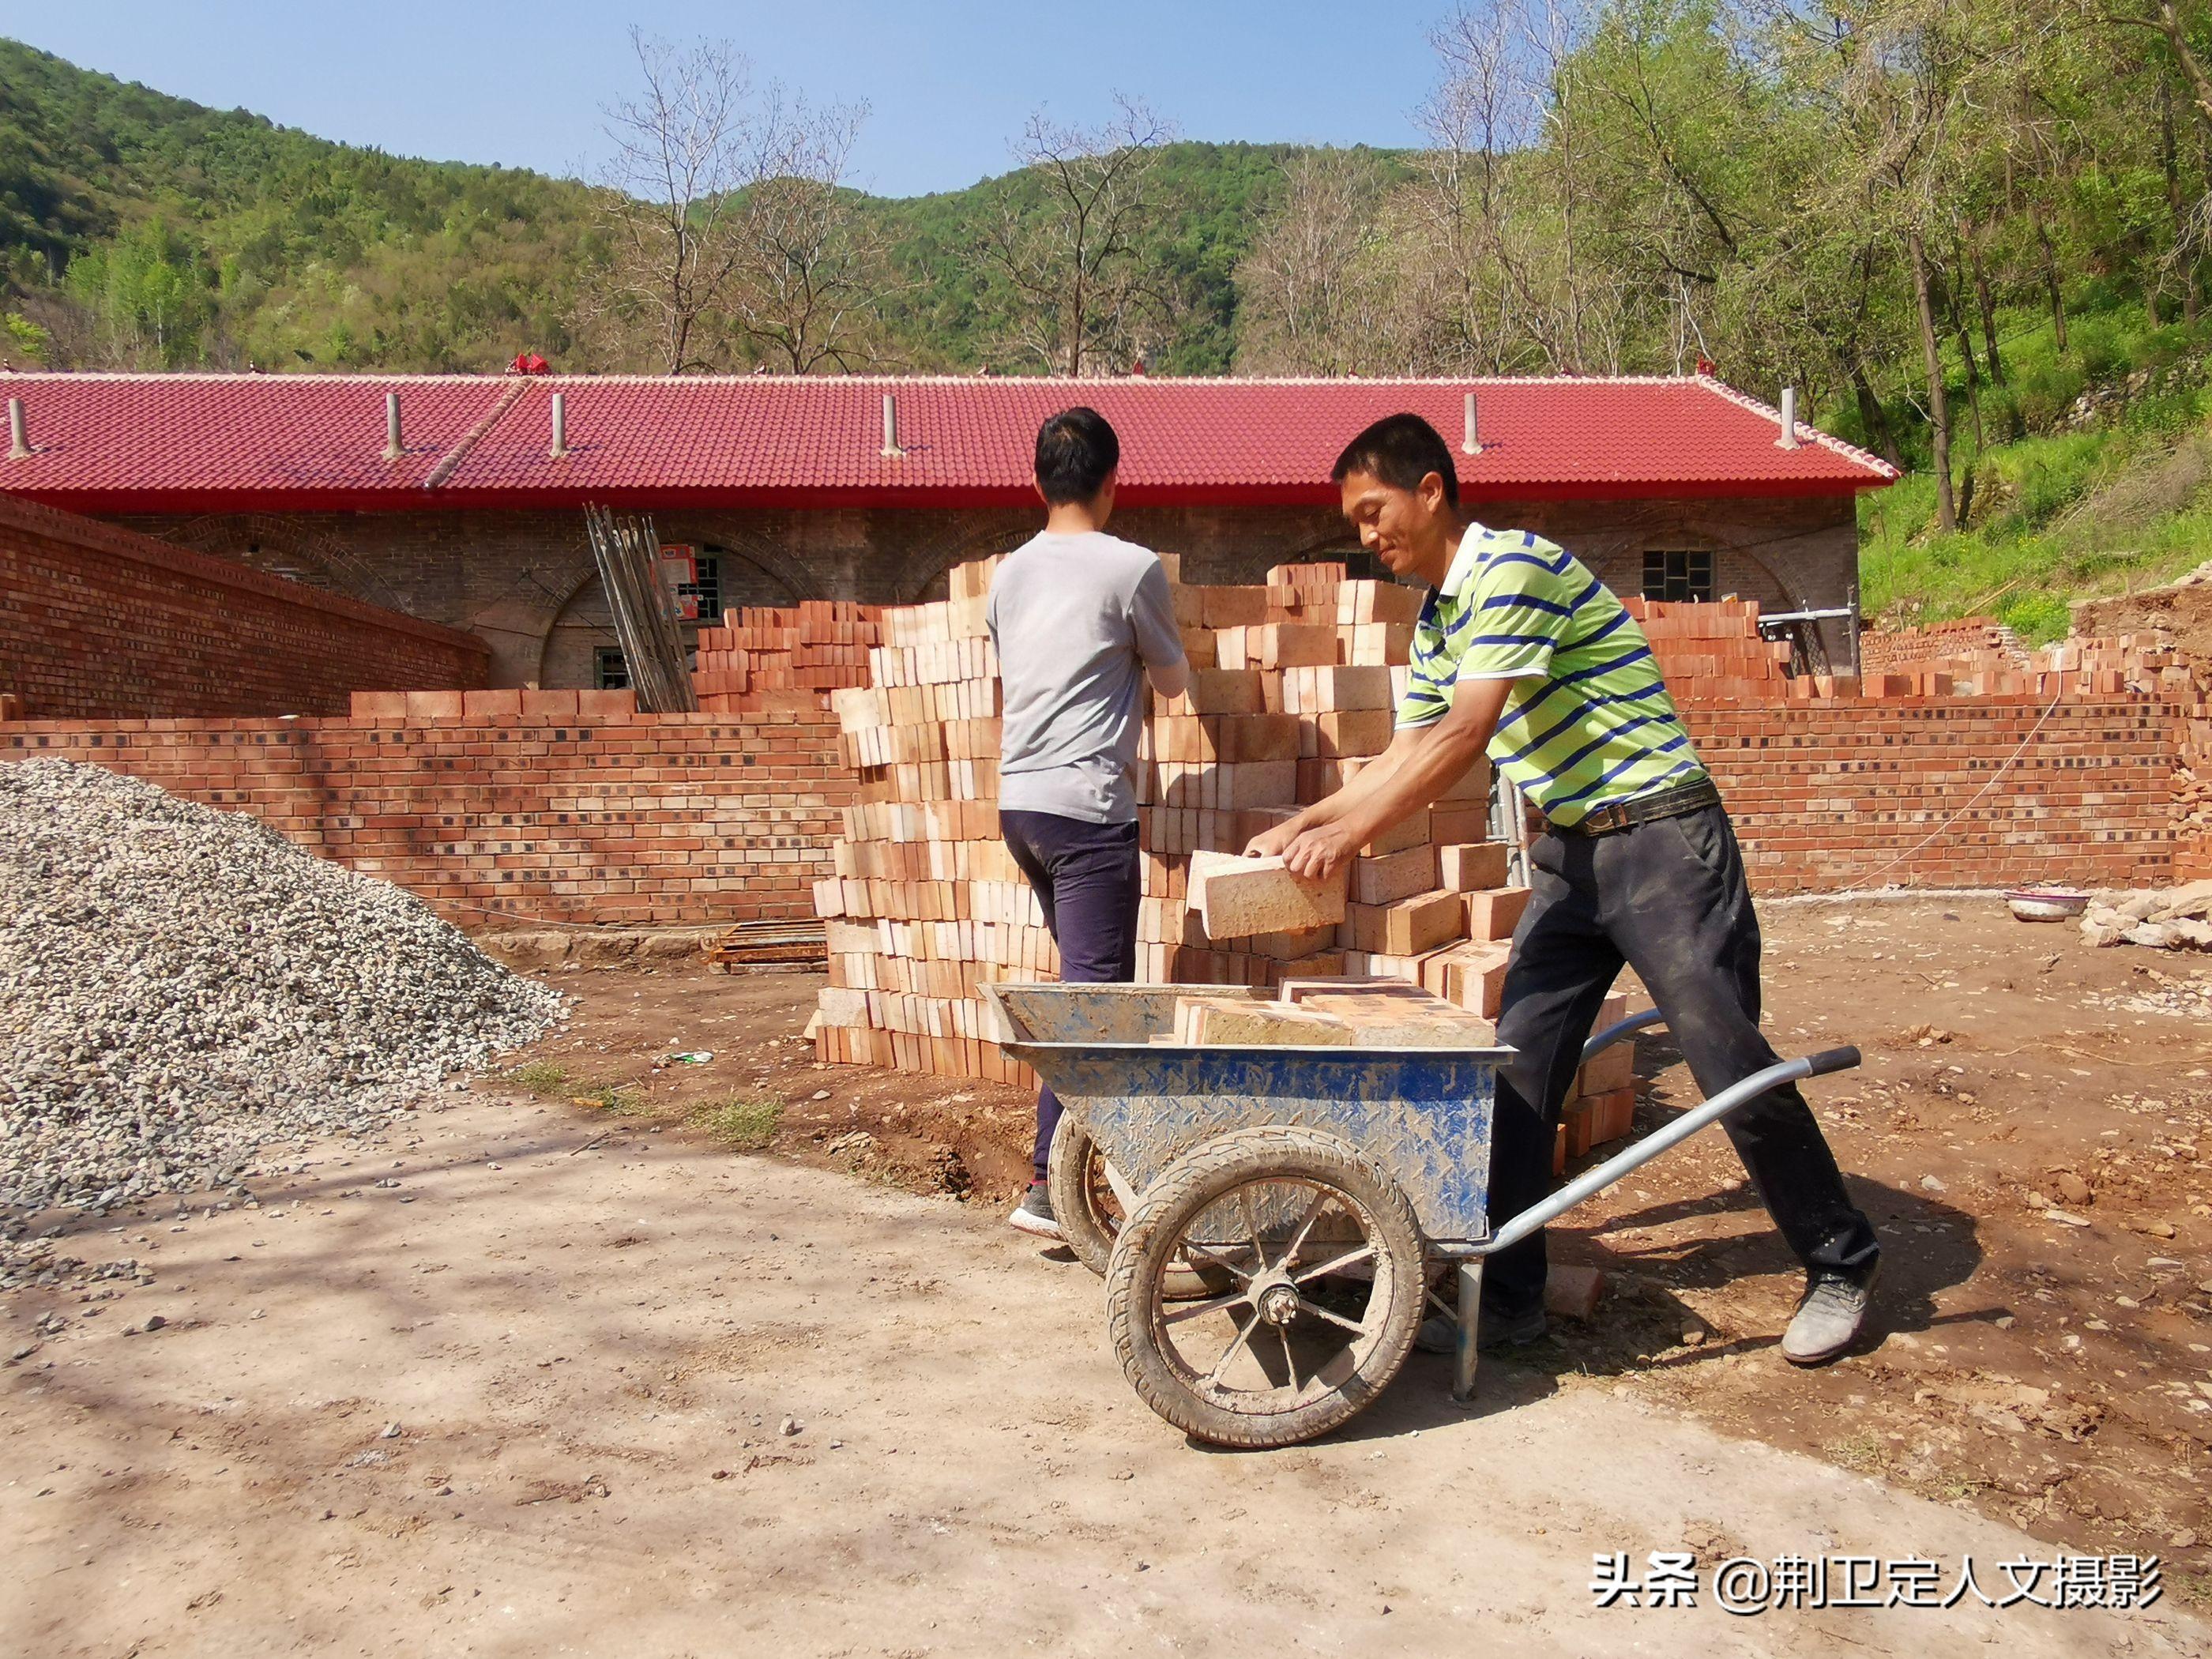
x=2158 y=347
x=2038 y=617
x=2044 y=397
x=2001 y=415
x=2099 y=349
x=2164 y=417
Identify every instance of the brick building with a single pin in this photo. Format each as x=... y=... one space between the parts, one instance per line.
x=870 y=488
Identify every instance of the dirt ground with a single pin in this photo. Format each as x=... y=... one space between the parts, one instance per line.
x=518 y=1378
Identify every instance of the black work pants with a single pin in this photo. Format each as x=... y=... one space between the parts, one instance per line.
x=1668 y=897
x=1084 y=876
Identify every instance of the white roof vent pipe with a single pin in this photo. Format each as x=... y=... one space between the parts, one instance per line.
x=394 y=449
x=1788 y=438
x=560 y=425
x=891 y=450
x=1470 y=442
x=19 y=431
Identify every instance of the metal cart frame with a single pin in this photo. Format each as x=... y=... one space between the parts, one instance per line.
x=1423 y=1115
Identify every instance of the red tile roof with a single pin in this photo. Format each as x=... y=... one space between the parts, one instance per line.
x=204 y=443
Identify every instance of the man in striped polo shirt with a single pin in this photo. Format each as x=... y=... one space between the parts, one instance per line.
x=1521 y=652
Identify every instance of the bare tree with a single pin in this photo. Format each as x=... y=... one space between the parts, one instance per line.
x=676 y=227
x=1073 y=261
x=1494 y=284
x=1308 y=300
x=811 y=271
x=727 y=219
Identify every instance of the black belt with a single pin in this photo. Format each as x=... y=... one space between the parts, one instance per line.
x=1627 y=814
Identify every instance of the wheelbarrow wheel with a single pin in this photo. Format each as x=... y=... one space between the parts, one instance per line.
x=1083 y=1201
x=1088 y=1206
x=1323 y=1263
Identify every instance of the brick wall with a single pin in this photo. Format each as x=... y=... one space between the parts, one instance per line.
x=525 y=580
x=1832 y=795
x=96 y=623
x=501 y=815
x=506 y=807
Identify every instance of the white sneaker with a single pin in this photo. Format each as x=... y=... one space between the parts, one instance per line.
x=1034 y=1216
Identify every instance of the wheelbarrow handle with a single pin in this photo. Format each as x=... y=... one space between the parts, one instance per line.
x=1833 y=1060
x=1590 y=1182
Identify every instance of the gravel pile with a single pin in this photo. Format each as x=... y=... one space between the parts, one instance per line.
x=181 y=988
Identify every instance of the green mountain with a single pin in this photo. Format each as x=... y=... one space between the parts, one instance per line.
x=140 y=229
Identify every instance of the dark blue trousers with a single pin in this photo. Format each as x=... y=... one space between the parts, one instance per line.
x=1669 y=898
x=1085 y=879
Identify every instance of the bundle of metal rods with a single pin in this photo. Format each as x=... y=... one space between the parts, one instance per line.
x=629 y=556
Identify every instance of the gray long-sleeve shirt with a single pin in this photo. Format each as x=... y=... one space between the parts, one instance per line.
x=1076 y=621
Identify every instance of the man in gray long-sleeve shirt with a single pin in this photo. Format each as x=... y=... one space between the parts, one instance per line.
x=1080 y=621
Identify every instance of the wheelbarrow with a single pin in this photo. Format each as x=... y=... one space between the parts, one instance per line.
x=1284 y=1209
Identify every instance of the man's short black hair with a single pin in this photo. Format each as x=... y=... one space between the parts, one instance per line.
x=1401 y=449
x=1075 y=450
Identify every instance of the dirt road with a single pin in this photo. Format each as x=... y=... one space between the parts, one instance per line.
x=496 y=1388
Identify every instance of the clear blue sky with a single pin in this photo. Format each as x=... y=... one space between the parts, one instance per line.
x=950 y=83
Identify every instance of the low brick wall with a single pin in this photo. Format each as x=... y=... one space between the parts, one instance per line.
x=100 y=622
x=505 y=808
x=502 y=818
x=1839 y=794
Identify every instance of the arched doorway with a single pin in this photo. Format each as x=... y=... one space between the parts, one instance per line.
x=929 y=578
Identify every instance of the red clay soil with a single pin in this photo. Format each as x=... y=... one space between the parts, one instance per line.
x=2026 y=1134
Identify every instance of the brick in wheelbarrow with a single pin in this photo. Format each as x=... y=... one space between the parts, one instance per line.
x=1388 y=1019
x=1236 y=898
x=1200 y=1021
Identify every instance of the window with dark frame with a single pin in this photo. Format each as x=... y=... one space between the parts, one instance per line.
x=609 y=671
x=706 y=588
x=1677 y=574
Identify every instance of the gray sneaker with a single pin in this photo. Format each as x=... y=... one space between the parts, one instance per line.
x=1034 y=1216
x=1439 y=1332
x=1828 y=1318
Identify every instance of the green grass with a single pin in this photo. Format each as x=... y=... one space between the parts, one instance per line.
x=541 y=1077
x=549 y=1079
x=2056 y=515
x=743 y=1123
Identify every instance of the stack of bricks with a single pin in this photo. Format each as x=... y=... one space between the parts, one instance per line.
x=1713 y=650
x=761 y=651
x=1970 y=649
x=1293 y=688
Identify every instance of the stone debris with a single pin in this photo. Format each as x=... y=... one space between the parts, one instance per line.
x=182 y=988
x=2169 y=918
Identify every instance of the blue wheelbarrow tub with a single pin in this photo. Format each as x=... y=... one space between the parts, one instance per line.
x=1422 y=1115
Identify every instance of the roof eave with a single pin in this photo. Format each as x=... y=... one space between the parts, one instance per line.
x=910 y=497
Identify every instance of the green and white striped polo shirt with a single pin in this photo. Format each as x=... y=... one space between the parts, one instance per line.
x=1588 y=722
